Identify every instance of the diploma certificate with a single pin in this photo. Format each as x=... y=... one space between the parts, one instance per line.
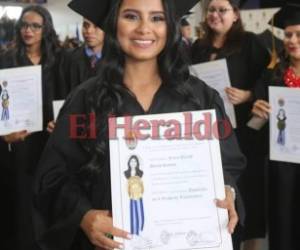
x=57 y=105
x=21 y=100
x=285 y=124
x=215 y=74
x=166 y=173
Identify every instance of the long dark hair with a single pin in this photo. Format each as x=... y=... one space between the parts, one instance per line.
x=138 y=171
x=234 y=36
x=50 y=43
x=283 y=63
x=107 y=98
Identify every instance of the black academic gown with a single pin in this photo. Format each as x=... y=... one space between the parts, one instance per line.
x=78 y=67
x=6 y=191
x=283 y=187
x=61 y=198
x=186 y=46
x=245 y=66
x=266 y=37
x=7 y=199
x=22 y=159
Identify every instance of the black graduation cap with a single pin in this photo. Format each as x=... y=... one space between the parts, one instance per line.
x=235 y=2
x=289 y=14
x=97 y=10
x=184 y=22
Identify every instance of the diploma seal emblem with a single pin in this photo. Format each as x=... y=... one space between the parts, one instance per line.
x=165 y=237
x=131 y=140
x=192 y=238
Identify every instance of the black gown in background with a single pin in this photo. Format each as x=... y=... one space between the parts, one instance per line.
x=266 y=37
x=21 y=161
x=7 y=199
x=245 y=66
x=283 y=186
x=186 y=47
x=62 y=198
x=6 y=192
x=77 y=67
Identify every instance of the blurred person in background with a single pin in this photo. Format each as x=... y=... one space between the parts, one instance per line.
x=36 y=43
x=187 y=40
x=83 y=62
x=246 y=57
x=284 y=177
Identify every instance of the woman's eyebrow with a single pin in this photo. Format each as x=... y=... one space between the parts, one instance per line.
x=139 y=12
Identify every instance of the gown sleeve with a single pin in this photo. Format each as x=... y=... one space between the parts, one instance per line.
x=63 y=72
x=60 y=200
x=259 y=59
x=233 y=161
x=261 y=86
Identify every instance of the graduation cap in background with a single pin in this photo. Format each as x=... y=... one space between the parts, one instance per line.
x=97 y=10
x=289 y=14
x=186 y=15
x=235 y=2
x=232 y=2
x=183 y=21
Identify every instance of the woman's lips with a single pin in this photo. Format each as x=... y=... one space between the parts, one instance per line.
x=142 y=43
x=293 y=49
x=28 y=37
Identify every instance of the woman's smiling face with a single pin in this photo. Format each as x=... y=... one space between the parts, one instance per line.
x=292 y=41
x=142 y=29
x=220 y=16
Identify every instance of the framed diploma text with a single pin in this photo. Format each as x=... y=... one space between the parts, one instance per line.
x=166 y=172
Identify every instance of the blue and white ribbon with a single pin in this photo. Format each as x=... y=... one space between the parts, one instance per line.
x=137 y=218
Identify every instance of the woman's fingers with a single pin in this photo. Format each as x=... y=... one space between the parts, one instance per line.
x=120 y=233
x=261 y=108
x=16 y=137
x=98 y=226
x=22 y=135
x=228 y=203
x=231 y=94
x=263 y=105
x=108 y=243
x=233 y=98
x=258 y=112
x=232 y=214
x=233 y=219
x=238 y=96
x=104 y=240
x=51 y=126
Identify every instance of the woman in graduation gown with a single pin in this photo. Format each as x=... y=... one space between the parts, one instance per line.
x=246 y=58
x=142 y=73
x=7 y=199
x=284 y=177
x=6 y=194
x=36 y=44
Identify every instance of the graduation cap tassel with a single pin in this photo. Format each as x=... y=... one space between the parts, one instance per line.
x=274 y=56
